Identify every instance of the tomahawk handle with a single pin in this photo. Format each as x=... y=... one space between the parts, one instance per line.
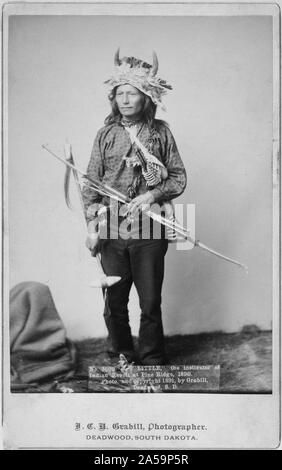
x=99 y=264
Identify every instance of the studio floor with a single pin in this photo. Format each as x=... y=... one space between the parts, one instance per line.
x=245 y=361
x=245 y=358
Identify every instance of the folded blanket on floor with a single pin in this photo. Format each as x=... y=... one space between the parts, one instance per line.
x=39 y=347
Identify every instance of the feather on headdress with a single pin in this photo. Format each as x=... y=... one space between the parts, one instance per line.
x=141 y=75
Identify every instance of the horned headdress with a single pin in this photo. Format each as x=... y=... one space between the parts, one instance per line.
x=141 y=75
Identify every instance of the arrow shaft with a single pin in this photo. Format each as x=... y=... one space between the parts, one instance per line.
x=106 y=190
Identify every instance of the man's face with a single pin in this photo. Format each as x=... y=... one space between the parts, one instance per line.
x=129 y=100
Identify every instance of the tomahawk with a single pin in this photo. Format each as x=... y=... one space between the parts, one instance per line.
x=104 y=281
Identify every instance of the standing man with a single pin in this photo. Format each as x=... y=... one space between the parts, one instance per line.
x=118 y=161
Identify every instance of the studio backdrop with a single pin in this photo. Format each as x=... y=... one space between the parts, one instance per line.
x=220 y=112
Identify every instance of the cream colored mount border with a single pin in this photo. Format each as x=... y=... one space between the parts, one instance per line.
x=58 y=413
x=143 y=8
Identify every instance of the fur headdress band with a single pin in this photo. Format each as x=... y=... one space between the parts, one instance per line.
x=141 y=75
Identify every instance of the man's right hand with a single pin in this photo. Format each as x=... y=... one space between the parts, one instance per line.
x=92 y=242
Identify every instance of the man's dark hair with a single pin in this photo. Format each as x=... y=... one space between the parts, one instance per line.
x=148 y=113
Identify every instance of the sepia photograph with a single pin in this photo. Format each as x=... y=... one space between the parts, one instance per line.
x=141 y=218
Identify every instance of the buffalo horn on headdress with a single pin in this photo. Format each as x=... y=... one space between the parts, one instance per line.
x=117 y=59
x=155 y=65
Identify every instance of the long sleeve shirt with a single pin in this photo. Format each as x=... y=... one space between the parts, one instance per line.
x=113 y=152
x=112 y=162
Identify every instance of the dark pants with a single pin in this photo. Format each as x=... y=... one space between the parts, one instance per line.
x=140 y=262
